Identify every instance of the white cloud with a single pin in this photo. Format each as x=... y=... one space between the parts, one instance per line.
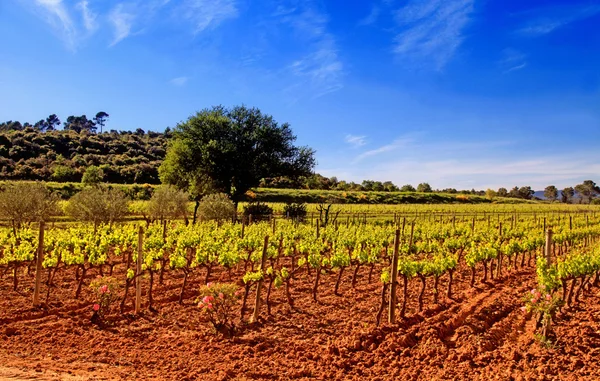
x=57 y=15
x=432 y=30
x=179 y=81
x=320 y=70
x=465 y=165
x=122 y=21
x=552 y=18
x=396 y=144
x=206 y=14
x=371 y=17
x=355 y=141
x=89 y=17
x=512 y=60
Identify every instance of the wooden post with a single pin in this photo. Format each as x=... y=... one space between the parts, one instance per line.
x=548 y=248
x=394 y=279
x=138 y=271
x=570 y=222
x=260 y=282
x=243 y=227
x=274 y=224
x=544 y=223
x=38 y=266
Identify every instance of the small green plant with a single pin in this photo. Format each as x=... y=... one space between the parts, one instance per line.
x=105 y=289
x=544 y=306
x=217 y=302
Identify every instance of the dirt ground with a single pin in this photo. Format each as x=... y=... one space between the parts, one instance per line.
x=481 y=334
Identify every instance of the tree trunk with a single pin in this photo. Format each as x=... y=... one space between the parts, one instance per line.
x=316 y=285
x=268 y=295
x=383 y=303
x=195 y=211
x=150 y=299
x=339 y=278
x=288 y=294
x=185 y=277
x=81 y=278
x=450 y=276
x=436 y=281
x=422 y=292
x=244 y=300
x=404 y=295
x=354 y=275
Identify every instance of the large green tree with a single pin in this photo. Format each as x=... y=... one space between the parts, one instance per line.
x=230 y=151
x=551 y=193
x=587 y=190
x=566 y=195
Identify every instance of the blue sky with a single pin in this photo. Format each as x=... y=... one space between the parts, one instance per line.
x=458 y=93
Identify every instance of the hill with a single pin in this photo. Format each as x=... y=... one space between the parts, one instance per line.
x=63 y=155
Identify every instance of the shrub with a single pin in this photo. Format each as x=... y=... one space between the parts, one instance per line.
x=217 y=302
x=98 y=205
x=296 y=211
x=105 y=290
x=27 y=202
x=167 y=203
x=92 y=175
x=216 y=206
x=259 y=211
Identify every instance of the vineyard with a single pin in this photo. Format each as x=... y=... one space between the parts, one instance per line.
x=420 y=292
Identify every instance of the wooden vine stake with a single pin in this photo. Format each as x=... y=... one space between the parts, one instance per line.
x=138 y=271
x=548 y=247
x=38 y=266
x=394 y=280
x=260 y=282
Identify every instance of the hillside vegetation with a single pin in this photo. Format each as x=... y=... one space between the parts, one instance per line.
x=63 y=155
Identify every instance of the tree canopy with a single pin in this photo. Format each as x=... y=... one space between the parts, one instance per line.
x=230 y=151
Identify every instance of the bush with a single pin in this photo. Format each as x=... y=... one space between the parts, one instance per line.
x=23 y=202
x=98 y=205
x=217 y=302
x=258 y=211
x=216 y=206
x=167 y=203
x=296 y=211
x=92 y=175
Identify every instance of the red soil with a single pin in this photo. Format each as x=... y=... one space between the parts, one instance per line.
x=481 y=335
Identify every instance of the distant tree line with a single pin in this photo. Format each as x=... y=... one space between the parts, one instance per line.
x=52 y=123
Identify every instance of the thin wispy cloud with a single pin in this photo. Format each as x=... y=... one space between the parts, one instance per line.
x=89 y=17
x=432 y=30
x=450 y=164
x=179 y=81
x=56 y=14
x=320 y=69
x=512 y=60
x=122 y=21
x=355 y=141
x=371 y=17
x=549 y=19
x=396 y=144
x=207 y=14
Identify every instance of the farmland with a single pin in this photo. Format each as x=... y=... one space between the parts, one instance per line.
x=465 y=274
